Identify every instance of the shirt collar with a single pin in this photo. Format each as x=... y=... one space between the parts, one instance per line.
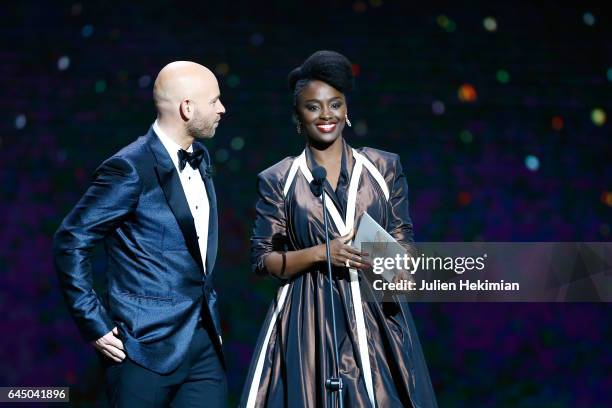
x=171 y=146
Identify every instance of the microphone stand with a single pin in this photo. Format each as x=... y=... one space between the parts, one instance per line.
x=333 y=383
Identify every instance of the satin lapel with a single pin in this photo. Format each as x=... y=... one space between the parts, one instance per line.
x=213 y=222
x=175 y=196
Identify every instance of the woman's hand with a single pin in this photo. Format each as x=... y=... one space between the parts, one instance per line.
x=345 y=255
x=286 y=265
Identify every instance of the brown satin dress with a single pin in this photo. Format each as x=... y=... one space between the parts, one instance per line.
x=293 y=355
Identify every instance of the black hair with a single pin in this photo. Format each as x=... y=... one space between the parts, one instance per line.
x=328 y=66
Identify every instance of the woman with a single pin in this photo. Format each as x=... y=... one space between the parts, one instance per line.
x=381 y=362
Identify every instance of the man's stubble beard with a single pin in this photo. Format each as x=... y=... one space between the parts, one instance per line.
x=199 y=129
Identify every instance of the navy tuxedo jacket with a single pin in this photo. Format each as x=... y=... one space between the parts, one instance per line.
x=157 y=289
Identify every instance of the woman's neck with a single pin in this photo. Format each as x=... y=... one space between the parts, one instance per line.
x=328 y=154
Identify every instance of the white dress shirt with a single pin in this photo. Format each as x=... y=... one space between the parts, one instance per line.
x=194 y=189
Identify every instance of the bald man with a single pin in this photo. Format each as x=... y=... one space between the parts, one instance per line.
x=153 y=204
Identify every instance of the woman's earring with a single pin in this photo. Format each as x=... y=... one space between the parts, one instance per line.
x=298 y=127
x=348 y=122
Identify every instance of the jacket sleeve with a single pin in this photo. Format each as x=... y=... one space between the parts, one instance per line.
x=112 y=196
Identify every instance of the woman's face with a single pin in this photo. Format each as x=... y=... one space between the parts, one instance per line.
x=322 y=110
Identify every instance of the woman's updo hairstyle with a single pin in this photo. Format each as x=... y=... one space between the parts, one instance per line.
x=328 y=66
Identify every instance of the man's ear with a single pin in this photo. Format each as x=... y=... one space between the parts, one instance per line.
x=186 y=109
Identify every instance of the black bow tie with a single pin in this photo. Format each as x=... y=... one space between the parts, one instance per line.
x=194 y=159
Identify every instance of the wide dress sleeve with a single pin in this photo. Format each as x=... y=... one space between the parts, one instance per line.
x=400 y=223
x=269 y=232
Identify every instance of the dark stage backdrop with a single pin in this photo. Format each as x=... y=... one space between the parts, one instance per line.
x=499 y=112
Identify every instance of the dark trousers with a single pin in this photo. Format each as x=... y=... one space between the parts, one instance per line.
x=199 y=381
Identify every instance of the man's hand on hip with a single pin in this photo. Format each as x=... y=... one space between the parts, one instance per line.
x=110 y=346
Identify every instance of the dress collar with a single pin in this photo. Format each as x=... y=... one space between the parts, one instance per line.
x=345 y=168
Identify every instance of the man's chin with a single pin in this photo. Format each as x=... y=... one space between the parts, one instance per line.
x=209 y=135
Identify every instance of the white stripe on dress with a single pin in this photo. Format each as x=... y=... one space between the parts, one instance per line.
x=262 y=354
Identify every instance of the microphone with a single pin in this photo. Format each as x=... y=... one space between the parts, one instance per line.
x=318 y=179
x=334 y=382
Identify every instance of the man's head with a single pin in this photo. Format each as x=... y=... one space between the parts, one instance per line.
x=187 y=99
